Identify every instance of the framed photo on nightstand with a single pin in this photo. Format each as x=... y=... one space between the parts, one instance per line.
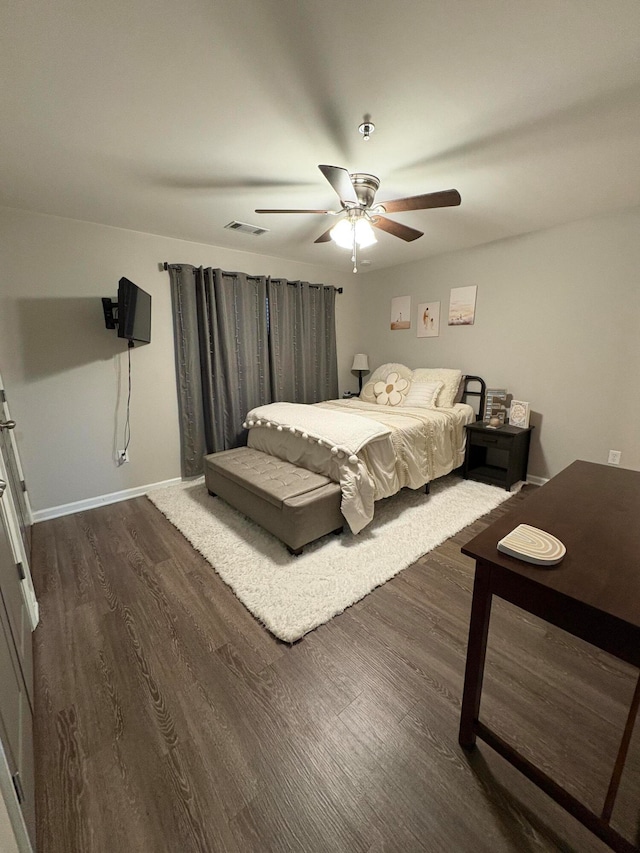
x=495 y=400
x=519 y=414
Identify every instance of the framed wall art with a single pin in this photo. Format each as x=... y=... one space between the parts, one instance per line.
x=400 y=313
x=428 y=320
x=462 y=305
x=519 y=414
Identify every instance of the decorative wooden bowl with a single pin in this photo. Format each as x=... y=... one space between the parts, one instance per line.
x=533 y=546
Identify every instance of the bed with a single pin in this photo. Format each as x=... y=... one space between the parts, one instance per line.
x=405 y=430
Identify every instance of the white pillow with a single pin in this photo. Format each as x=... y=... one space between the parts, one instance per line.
x=451 y=379
x=423 y=394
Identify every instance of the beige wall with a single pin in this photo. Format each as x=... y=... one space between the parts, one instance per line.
x=557 y=324
x=66 y=374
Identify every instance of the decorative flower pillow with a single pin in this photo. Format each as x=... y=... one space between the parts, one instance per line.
x=380 y=374
x=391 y=390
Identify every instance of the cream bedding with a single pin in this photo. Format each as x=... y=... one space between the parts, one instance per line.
x=343 y=432
x=423 y=444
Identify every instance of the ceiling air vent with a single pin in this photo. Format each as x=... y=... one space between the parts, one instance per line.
x=234 y=225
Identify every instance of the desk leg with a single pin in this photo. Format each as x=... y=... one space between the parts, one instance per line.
x=476 y=653
x=622 y=756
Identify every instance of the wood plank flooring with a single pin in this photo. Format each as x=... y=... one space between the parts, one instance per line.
x=169 y=719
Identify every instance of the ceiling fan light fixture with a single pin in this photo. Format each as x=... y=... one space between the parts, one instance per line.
x=365 y=236
x=344 y=231
x=342 y=234
x=359 y=209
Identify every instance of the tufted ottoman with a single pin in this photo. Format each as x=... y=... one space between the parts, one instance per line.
x=294 y=504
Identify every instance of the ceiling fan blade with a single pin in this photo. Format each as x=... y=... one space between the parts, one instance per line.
x=282 y=210
x=396 y=228
x=340 y=180
x=324 y=238
x=443 y=198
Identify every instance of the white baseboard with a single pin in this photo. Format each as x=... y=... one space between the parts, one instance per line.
x=100 y=500
x=126 y=494
x=537 y=481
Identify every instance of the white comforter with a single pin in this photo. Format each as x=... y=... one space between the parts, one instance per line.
x=343 y=432
x=421 y=445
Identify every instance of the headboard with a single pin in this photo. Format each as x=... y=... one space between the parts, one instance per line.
x=466 y=393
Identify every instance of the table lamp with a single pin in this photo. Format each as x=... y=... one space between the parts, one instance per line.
x=361 y=365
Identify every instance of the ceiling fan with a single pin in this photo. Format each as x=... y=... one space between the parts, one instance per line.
x=356 y=192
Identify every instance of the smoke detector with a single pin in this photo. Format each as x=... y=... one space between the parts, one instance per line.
x=366 y=129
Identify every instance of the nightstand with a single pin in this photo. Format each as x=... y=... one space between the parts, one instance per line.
x=496 y=456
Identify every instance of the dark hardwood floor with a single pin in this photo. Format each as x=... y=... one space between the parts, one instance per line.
x=169 y=719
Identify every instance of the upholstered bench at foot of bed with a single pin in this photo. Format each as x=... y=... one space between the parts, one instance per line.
x=296 y=505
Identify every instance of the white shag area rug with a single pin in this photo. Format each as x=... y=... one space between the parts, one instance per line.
x=293 y=595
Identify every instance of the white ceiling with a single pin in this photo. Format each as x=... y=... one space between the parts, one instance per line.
x=176 y=117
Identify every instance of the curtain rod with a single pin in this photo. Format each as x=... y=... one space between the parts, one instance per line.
x=165 y=266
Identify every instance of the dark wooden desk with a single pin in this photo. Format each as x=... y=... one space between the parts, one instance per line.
x=594 y=593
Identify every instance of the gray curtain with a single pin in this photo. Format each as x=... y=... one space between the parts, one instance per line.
x=242 y=341
x=302 y=339
x=222 y=355
x=190 y=403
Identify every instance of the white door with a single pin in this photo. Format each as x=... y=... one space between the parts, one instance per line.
x=16 y=680
x=15 y=505
x=13 y=600
x=18 y=486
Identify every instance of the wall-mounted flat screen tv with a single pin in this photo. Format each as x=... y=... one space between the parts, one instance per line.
x=134 y=312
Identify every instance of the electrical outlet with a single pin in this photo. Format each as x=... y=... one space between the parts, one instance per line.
x=614 y=457
x=123 y=457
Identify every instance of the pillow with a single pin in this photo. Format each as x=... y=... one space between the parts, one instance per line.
x=379 y=374
x=391 y=390
x=451 y=379
x=423 y=394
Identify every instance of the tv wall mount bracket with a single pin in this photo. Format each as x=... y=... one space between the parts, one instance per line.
x=110 y=308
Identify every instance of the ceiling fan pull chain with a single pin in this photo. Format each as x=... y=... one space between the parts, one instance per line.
x=354 y=257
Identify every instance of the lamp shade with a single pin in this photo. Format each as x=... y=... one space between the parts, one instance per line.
x=360 y=362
